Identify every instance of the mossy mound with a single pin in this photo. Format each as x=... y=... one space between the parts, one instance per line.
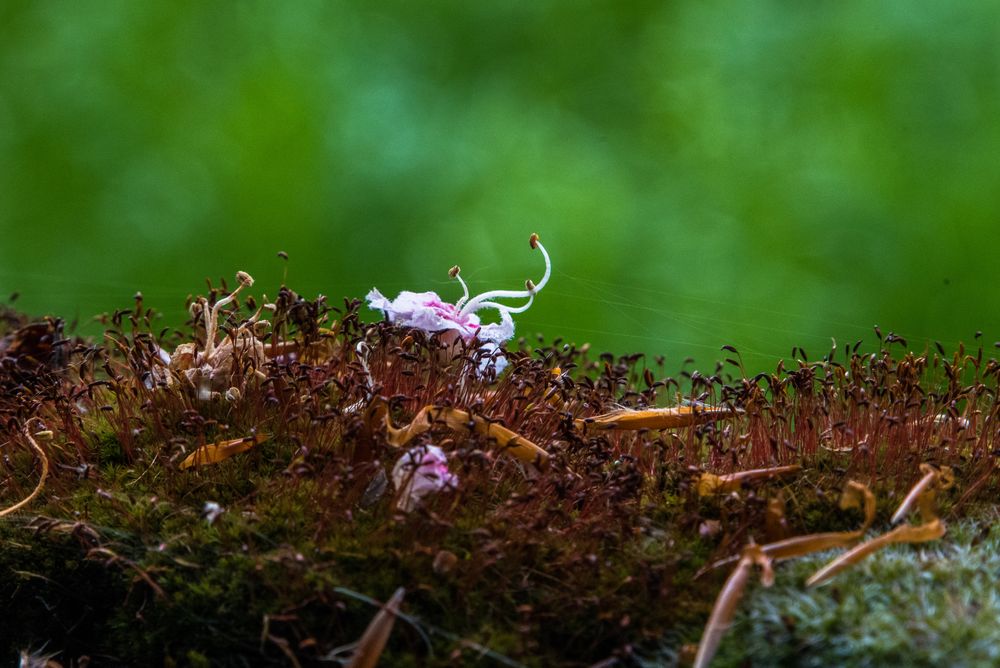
x=281 y=550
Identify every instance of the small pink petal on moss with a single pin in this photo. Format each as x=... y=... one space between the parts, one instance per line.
x=419 y=473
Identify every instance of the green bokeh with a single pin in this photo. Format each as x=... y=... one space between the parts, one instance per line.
x=764 y=174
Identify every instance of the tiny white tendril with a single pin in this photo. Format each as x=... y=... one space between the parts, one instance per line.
x=362 y=351
x=484 y=300
x=456 y=273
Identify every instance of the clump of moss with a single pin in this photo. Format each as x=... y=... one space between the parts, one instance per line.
x=590 y=557
x=915 y=606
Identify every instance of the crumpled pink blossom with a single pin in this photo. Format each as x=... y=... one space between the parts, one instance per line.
x=422 y=471
x=428 y=312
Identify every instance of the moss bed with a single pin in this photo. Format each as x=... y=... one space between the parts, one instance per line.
x=590 y=558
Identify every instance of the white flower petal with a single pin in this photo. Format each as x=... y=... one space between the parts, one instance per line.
x=492 y=359
x=498 y=332
x=425 y=311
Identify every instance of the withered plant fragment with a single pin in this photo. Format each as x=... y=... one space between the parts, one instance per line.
x=855 y=495
x=729 y=597
x=377 y=417
x=933 y=528
x=654 y=418
x=373 y=640
x=220 y=365
x=709 y=483
x=35 y=345
x=213 y=453
x=923 y=533
x=943 y=479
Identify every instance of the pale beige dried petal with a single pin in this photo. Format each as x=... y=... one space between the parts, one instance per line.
x=373 y=640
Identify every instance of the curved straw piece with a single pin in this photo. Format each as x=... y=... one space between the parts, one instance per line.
x=943 y=479
x=213 y=453
x=903 y=534
x=41 y=481
x=729 y=597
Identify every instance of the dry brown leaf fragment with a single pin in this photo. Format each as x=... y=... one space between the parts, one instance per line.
x=709 y=483
x=728 y=598
x=654 y=418
x=213 y=453
x=373 y=640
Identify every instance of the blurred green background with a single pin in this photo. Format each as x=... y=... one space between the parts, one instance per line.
x=763 y=174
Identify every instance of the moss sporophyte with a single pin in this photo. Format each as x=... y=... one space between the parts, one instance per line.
x=256 y=496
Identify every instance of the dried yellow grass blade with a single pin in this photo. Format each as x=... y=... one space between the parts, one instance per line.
x=904 y=534
x=459 y=420
x=373 y=640
x=654 y=418
x=709 y=483
x=728 y=598
x=41 y=480
x=213 y=453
